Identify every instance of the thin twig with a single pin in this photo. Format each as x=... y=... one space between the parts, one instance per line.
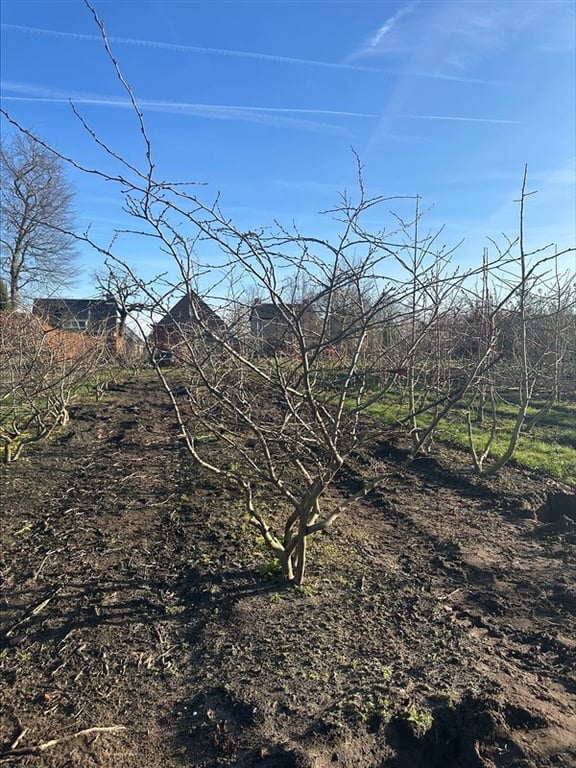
x=37 y=749
x=51 y=552
x=450 y=594
x=34 y=612
x=19 y=738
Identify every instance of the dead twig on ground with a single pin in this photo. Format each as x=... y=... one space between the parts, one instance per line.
x=15 y=751
x=34 y=612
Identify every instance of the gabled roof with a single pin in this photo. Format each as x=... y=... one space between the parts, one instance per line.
x=73 y=305
x=265 y=312
x=191 y=308
x=103 y=308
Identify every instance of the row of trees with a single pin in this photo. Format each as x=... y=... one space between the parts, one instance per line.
x=368 y=318
x=281 y=425
x=42 y=370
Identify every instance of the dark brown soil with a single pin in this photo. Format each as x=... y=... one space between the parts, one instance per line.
x=437 y=628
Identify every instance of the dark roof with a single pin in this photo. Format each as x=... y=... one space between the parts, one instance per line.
x=97 y=315
x=73 y=305
x=262 y=311
x=191 y=308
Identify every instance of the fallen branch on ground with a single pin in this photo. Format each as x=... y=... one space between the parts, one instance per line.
x=16 y=751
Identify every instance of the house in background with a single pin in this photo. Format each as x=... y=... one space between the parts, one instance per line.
x=189 y=320
x=25 y=336
x=272 y=325
x=92 y=317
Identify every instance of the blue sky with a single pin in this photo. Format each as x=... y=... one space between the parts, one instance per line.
x=448 y=99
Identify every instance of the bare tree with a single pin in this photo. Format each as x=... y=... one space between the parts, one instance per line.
x=120 y=287
x=42 y=370
x=280 y=421
x=37 y=219
x=533 y=353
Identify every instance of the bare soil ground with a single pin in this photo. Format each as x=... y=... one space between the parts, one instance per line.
x=142 y=628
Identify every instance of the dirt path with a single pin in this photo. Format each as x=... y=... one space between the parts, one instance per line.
x=436 y=628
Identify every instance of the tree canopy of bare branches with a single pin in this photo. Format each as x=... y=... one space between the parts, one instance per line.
x=285 y=340
x=37 y=219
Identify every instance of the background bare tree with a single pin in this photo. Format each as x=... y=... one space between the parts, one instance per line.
x=37 y=219
x=121 y=288
x=42 y=370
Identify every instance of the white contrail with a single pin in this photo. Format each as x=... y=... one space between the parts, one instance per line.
x=39 y=95
x=191 y=48
x=460 y=119
x=224 y=111
x=278 y=117
x=245 y=54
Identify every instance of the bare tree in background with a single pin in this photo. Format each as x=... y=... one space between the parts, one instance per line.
x=122 y=288
x=532 y=339
x=37 y=219
x=42 y=370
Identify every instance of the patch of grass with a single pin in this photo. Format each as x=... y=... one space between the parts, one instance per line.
x=548 y=442
x=96 y=384
x=386 y=673
x=373 y=707
x=421 y=720
x=272 y=569
x=447 y=698
x=532 y=451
